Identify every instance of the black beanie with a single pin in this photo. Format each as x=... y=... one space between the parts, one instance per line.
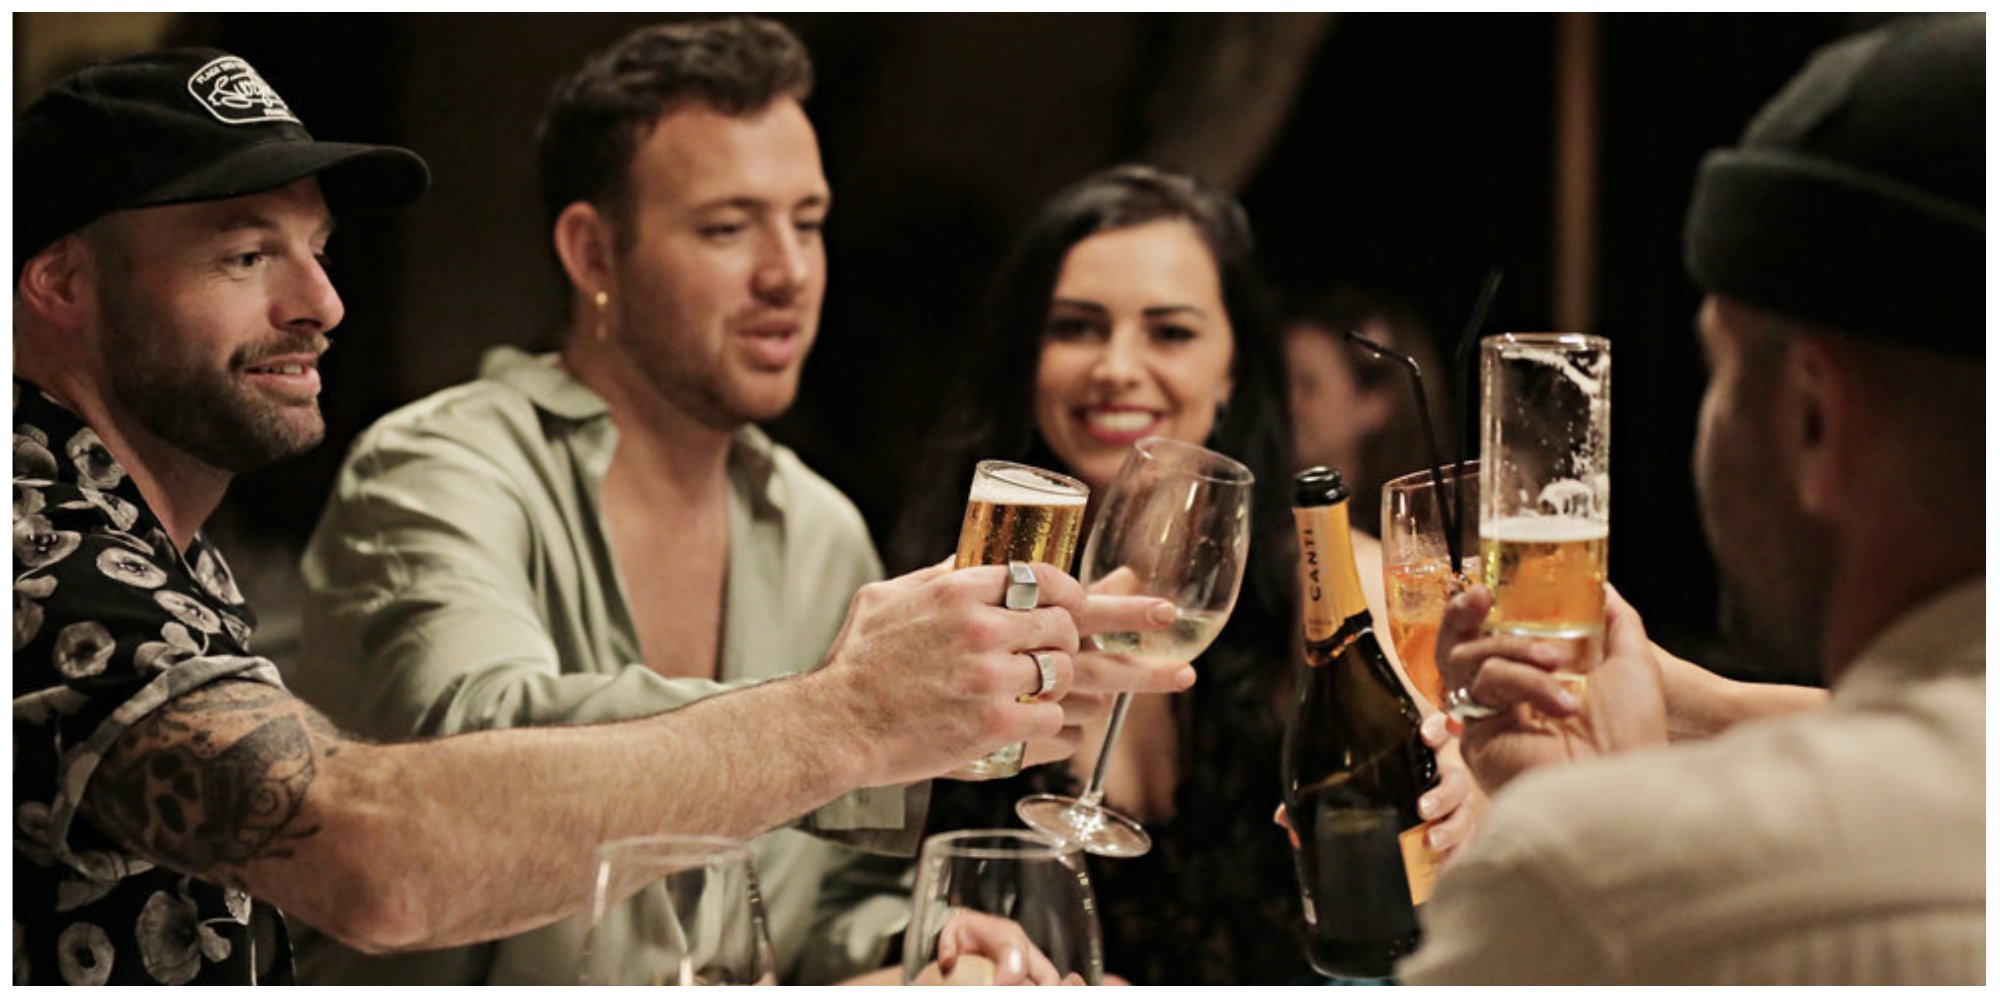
x=1857 y=197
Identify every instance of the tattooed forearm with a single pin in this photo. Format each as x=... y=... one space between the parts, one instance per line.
x=213 y=779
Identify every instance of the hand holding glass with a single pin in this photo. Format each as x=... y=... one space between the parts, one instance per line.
x=1545 y=489
x=1174 y=524
x=1026 y=897
x=1017 y=513
x=1417 y=575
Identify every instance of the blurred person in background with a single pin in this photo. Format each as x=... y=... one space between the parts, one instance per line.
x=1356 y=412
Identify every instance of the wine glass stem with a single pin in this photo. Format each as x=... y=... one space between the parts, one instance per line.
x=1095 y=793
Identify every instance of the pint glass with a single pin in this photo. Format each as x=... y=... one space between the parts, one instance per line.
x=1545 y=488
x=1017 y=513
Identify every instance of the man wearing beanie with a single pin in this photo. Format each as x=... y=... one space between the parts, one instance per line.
x=170 y=305
x=1840 y=465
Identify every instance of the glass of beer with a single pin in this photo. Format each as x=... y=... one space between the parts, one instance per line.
x=1017 y=513
x=677 y=911
x=1417 y=575
x=1545 y=489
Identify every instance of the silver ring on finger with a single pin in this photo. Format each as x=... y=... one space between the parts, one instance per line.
x=1459 y=705
x=1045 y=669
x=1024 y=592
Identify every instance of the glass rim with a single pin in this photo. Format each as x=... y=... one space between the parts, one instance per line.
x=672 y=851
x=1040 y=480
x=1421 y=478
x=1585 y=341
x=1031 y=845
x=1232 y=472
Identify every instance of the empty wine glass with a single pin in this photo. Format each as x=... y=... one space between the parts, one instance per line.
x=1174 y=524
x=677 y=911
x=978 y=887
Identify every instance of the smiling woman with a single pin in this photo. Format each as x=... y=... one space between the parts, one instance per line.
x=1129 y=308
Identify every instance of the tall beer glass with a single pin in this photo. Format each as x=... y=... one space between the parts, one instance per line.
x=1017 y=513
x=1417 y=574
x=1545 y=488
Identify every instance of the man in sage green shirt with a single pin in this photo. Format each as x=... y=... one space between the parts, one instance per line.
x=423 y=622
x=604 y=533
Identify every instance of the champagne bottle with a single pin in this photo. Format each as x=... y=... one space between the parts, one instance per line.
x=1354 y=761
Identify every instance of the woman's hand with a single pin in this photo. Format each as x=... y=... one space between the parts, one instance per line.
x=980 y=949
x=1453 y=809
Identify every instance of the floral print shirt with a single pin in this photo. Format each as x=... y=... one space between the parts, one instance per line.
x=110 y=622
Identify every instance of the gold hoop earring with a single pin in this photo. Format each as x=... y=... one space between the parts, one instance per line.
x=603 y=300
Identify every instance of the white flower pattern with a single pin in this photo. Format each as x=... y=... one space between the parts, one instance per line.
x=196 y=615
x=27 y=613
x=83 y=649
x=176 y=645
x=27 y=500
x=123 y=514
x=169 y=943
x=37 y=543
x=94 y=464
x=81 y=891
x=215 y=577
x=32 y=458
x=130 y=568
x=84 y=953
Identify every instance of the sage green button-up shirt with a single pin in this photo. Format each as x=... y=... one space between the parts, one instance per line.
x=461 y=580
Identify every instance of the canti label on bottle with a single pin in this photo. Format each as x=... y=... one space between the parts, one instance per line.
x=1420 y=862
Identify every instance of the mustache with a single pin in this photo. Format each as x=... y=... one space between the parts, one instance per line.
x=314 y=344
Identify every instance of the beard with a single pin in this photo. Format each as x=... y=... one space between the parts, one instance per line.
x=1774 y=564
x=1783 y=645
x=198 y=407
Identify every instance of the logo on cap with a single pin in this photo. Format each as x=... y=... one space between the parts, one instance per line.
x=236 y=95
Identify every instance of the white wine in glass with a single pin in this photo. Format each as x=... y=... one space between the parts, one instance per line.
x=1174 y=524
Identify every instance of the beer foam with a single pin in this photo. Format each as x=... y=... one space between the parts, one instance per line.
x=1023 y=488
x=1545 y=529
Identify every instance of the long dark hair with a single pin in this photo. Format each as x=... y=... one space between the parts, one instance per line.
x=993 y=418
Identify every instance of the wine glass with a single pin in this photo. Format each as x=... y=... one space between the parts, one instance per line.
x=971 y=884
x=677 y=911
x=1174 y=524
x=1417 y=575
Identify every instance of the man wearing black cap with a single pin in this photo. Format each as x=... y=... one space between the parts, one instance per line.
x=1840 y=467
x=170 y=305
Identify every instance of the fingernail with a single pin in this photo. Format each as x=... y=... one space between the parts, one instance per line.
x=1546 y=652
x=1568 y=701
x=1162 y=613
x=1425 y=807
x=1184 y=678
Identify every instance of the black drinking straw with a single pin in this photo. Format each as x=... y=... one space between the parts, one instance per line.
x=1452 y=513
x=1448 y=512
x=1461 y=358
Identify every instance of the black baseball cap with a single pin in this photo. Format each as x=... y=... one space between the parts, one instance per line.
x=1857 y=197
x=169 y=127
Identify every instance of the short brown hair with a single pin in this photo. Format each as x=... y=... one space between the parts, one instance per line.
x=597 y=117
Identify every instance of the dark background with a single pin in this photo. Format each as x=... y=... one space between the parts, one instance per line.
x=1410 y=153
